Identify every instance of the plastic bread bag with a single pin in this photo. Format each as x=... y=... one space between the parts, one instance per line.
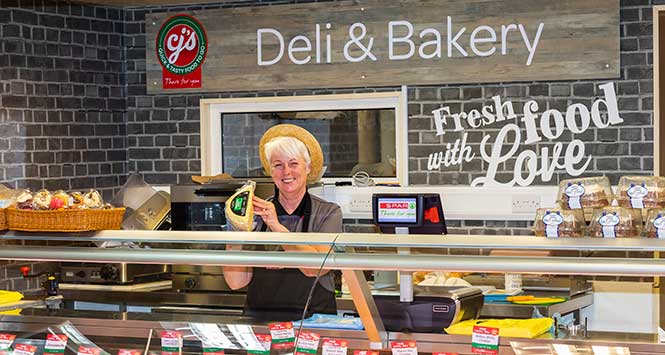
x=239 y=209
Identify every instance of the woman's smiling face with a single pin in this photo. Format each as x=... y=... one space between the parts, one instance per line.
x=289 y=173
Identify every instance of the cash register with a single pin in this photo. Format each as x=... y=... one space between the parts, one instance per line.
x=411 y=308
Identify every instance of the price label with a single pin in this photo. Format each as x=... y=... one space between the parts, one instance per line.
x=171 y=342
x=25 y=349
x=485 y=340
x=212 y=349
x=129 y=352
x=6 y=341
x=365 y=352
x=55 y=344
x=83 y=350
x=404 y=347
x=335 y=347
x=283 y=335
x=266 y=341
x=444 y=353
x=308 y=343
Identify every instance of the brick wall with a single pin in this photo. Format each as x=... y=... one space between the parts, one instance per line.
x=74 y=113
x=62 y=96
x=616 y=151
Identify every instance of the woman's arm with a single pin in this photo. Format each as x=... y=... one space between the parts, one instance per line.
x=237 y=277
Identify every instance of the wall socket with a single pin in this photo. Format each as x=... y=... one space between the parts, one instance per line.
x=361 y=203
x=525 y=203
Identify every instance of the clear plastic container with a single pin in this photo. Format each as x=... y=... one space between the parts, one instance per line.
x=616 y=222
x=641 y=192
x=655 y=225
x=559 y=223
x=591 y=192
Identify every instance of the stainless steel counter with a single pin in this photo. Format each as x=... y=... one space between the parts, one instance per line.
x=231 y=303
x=131 y=328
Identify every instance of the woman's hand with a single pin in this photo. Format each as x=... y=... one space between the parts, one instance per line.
x=266 y=210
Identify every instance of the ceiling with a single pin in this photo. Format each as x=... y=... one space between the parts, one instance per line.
x=142 y=3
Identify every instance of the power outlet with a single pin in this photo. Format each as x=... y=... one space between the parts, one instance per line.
x=525 y=203
x=361 y=203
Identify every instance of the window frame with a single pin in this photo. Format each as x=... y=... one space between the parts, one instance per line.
x=211 y=111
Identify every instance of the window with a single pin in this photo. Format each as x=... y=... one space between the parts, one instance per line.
x=357 y=132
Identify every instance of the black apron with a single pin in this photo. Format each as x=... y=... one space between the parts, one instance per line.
x=281 y=294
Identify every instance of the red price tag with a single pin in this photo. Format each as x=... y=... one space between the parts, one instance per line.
x=365 y=352
x=88 y=351
x=335 y=347
x=25 y=349
x=485 y=340
x=55 y=343
x=308 y=343
x=404 y=347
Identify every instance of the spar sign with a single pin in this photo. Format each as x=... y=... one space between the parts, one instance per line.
x=182 y=46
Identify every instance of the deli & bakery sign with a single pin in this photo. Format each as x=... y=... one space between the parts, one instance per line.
x=386 y=43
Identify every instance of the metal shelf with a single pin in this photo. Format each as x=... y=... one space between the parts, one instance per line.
x=352 y=240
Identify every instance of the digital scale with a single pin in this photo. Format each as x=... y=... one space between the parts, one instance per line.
x=421 y=309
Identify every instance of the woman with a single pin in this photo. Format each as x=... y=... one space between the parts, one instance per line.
x=292 y=156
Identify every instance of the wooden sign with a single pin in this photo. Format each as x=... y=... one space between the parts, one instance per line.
x=385 y=43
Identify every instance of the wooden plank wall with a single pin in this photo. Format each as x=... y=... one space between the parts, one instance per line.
x=580 y=40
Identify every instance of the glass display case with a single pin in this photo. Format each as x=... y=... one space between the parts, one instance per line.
x=154 y=316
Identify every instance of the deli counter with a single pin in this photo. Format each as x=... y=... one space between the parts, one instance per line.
x=135 y=314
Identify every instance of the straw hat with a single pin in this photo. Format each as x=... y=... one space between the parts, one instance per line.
x=301 y=134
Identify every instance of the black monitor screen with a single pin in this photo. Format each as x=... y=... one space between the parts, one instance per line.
x=397 y=210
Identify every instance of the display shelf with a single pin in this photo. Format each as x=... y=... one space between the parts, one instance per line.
x=341 y=240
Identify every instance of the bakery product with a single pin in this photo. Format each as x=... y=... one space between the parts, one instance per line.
x=60 y=200
x=24 y=200
x=591 y=192
x=641 y=192
x=559 y=223
x=616 y=222
x=76 y=200
x=92 y=199
x=42 y=199
x=655 y=223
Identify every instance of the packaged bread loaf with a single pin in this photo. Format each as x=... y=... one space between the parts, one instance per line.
x=616 y=222
x=585 y=193
x=559 y=223
x=641 y=192
x=655 y=223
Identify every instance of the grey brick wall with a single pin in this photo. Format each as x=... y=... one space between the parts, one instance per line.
x=616 y=151
x=62 y=96
x=74 y=113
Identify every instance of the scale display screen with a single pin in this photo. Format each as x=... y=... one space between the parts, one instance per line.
x=397 y=210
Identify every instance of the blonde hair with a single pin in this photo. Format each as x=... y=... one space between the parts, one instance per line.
x=289 y=146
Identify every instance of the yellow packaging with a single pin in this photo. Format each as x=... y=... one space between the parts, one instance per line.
x=10 y=297
x=510 y=328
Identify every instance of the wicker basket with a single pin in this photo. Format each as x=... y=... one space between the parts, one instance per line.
x=74 y=220
x=3 y=219
x=105 y=219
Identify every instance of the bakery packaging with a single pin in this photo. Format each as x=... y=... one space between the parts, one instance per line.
x=616 y=222
x=641 y=192
x=584 y=193
x=655 y=223
x=559 y=223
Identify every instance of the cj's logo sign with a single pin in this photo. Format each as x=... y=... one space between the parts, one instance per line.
x=182 y=45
